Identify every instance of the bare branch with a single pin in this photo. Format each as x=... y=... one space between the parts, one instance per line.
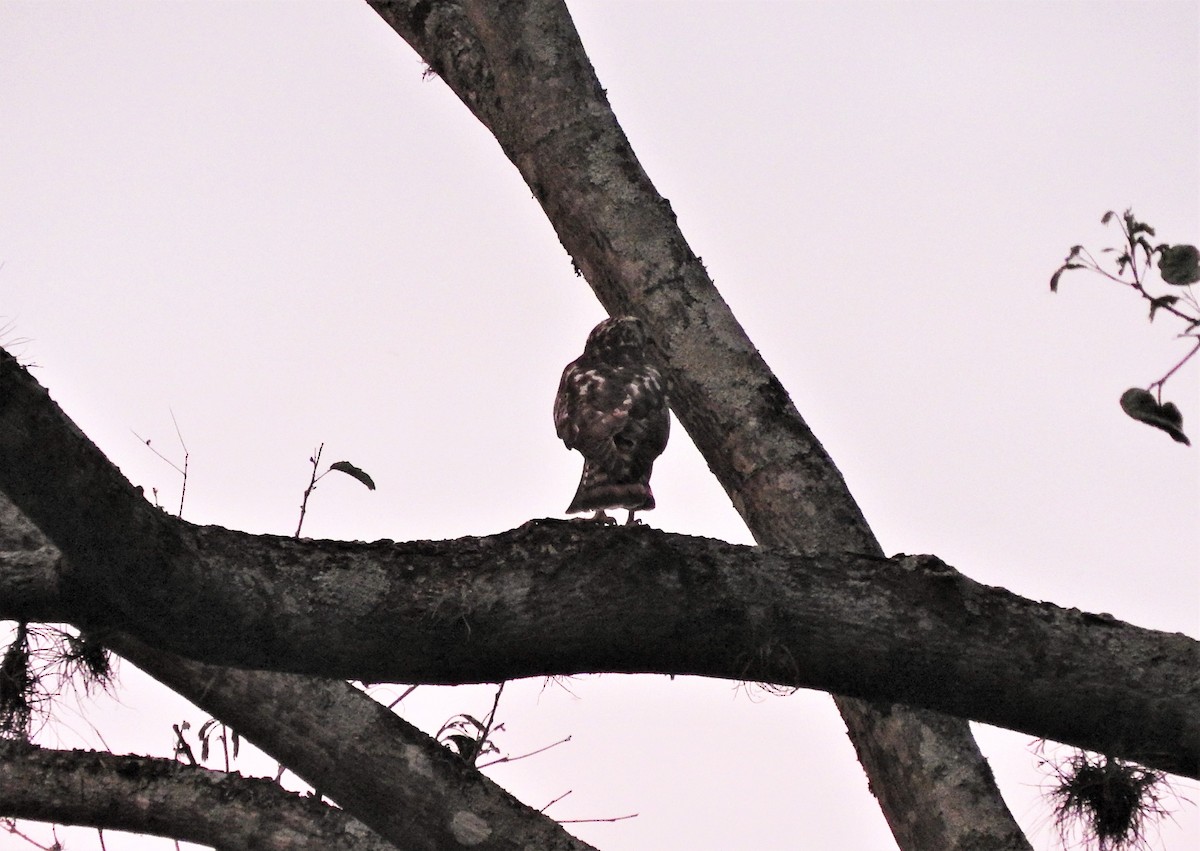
x=164 y=798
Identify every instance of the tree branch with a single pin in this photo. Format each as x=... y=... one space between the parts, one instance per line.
x=395 y=778
x=521 y=69
x=164 y=798
x=555 y=597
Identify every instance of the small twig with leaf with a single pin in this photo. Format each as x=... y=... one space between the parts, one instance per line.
x=183 y=471
x=341 y=466
x=1178 y=266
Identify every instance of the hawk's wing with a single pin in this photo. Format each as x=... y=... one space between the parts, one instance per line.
x=591 y=407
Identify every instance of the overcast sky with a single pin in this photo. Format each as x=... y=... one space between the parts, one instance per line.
x=258 y=216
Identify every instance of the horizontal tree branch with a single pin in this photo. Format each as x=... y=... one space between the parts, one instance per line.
x=556 y=597
x=165 y=798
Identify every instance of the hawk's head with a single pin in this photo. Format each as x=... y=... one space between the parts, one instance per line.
x=615 y=337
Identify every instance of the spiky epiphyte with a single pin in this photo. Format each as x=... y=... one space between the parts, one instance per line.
x=1109 y=801
x=18 y=687
x=39 y=664
x=87 y=661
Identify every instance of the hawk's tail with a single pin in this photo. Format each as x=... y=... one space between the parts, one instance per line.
x=598 y=491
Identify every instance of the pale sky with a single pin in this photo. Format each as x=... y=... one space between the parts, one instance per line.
x=259 y=216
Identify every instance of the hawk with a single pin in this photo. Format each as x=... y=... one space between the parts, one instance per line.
x=612 y=406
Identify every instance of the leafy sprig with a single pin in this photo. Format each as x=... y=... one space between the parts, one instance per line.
x=1178 y=266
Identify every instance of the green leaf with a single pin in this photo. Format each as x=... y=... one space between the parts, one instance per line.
x=1161 y=301
x=1143 y=407
x=350 y=470
x=1180 y=265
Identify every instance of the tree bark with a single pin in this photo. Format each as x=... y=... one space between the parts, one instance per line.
x=399 y=781
x=164 y=798
x=907 y=630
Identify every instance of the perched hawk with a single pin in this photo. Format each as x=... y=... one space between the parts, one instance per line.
x=612 y=407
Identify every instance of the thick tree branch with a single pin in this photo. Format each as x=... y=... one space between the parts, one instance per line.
x=521 y=69
x=164 y=798
x=29 y=569
x=389 y=774
x=555 y=597
x=529 y=80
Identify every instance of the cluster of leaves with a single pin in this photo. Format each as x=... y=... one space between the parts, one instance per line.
x=36 y=667
x=1110 y=802
x=469 y=737
x=1178 y=266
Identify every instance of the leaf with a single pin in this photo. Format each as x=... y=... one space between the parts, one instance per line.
x=1143 y=407
x=1054 y=278
x=1180 y=265
x=350 y=470
x=1108 y=217
x=1161 y=301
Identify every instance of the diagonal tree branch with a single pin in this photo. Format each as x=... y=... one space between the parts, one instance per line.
x=521 y=69
x=164 y=798
x=389 y=774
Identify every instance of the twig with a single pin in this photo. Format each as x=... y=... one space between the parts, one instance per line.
x=525 y=755
x=407 y=692
x=487 y=726
x=11 y=826
x=181 y=745
x=556 y=800
x=312 y=485
x=183 y=489
x=183 y=471
x=1159 y=384
x=595 y=820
